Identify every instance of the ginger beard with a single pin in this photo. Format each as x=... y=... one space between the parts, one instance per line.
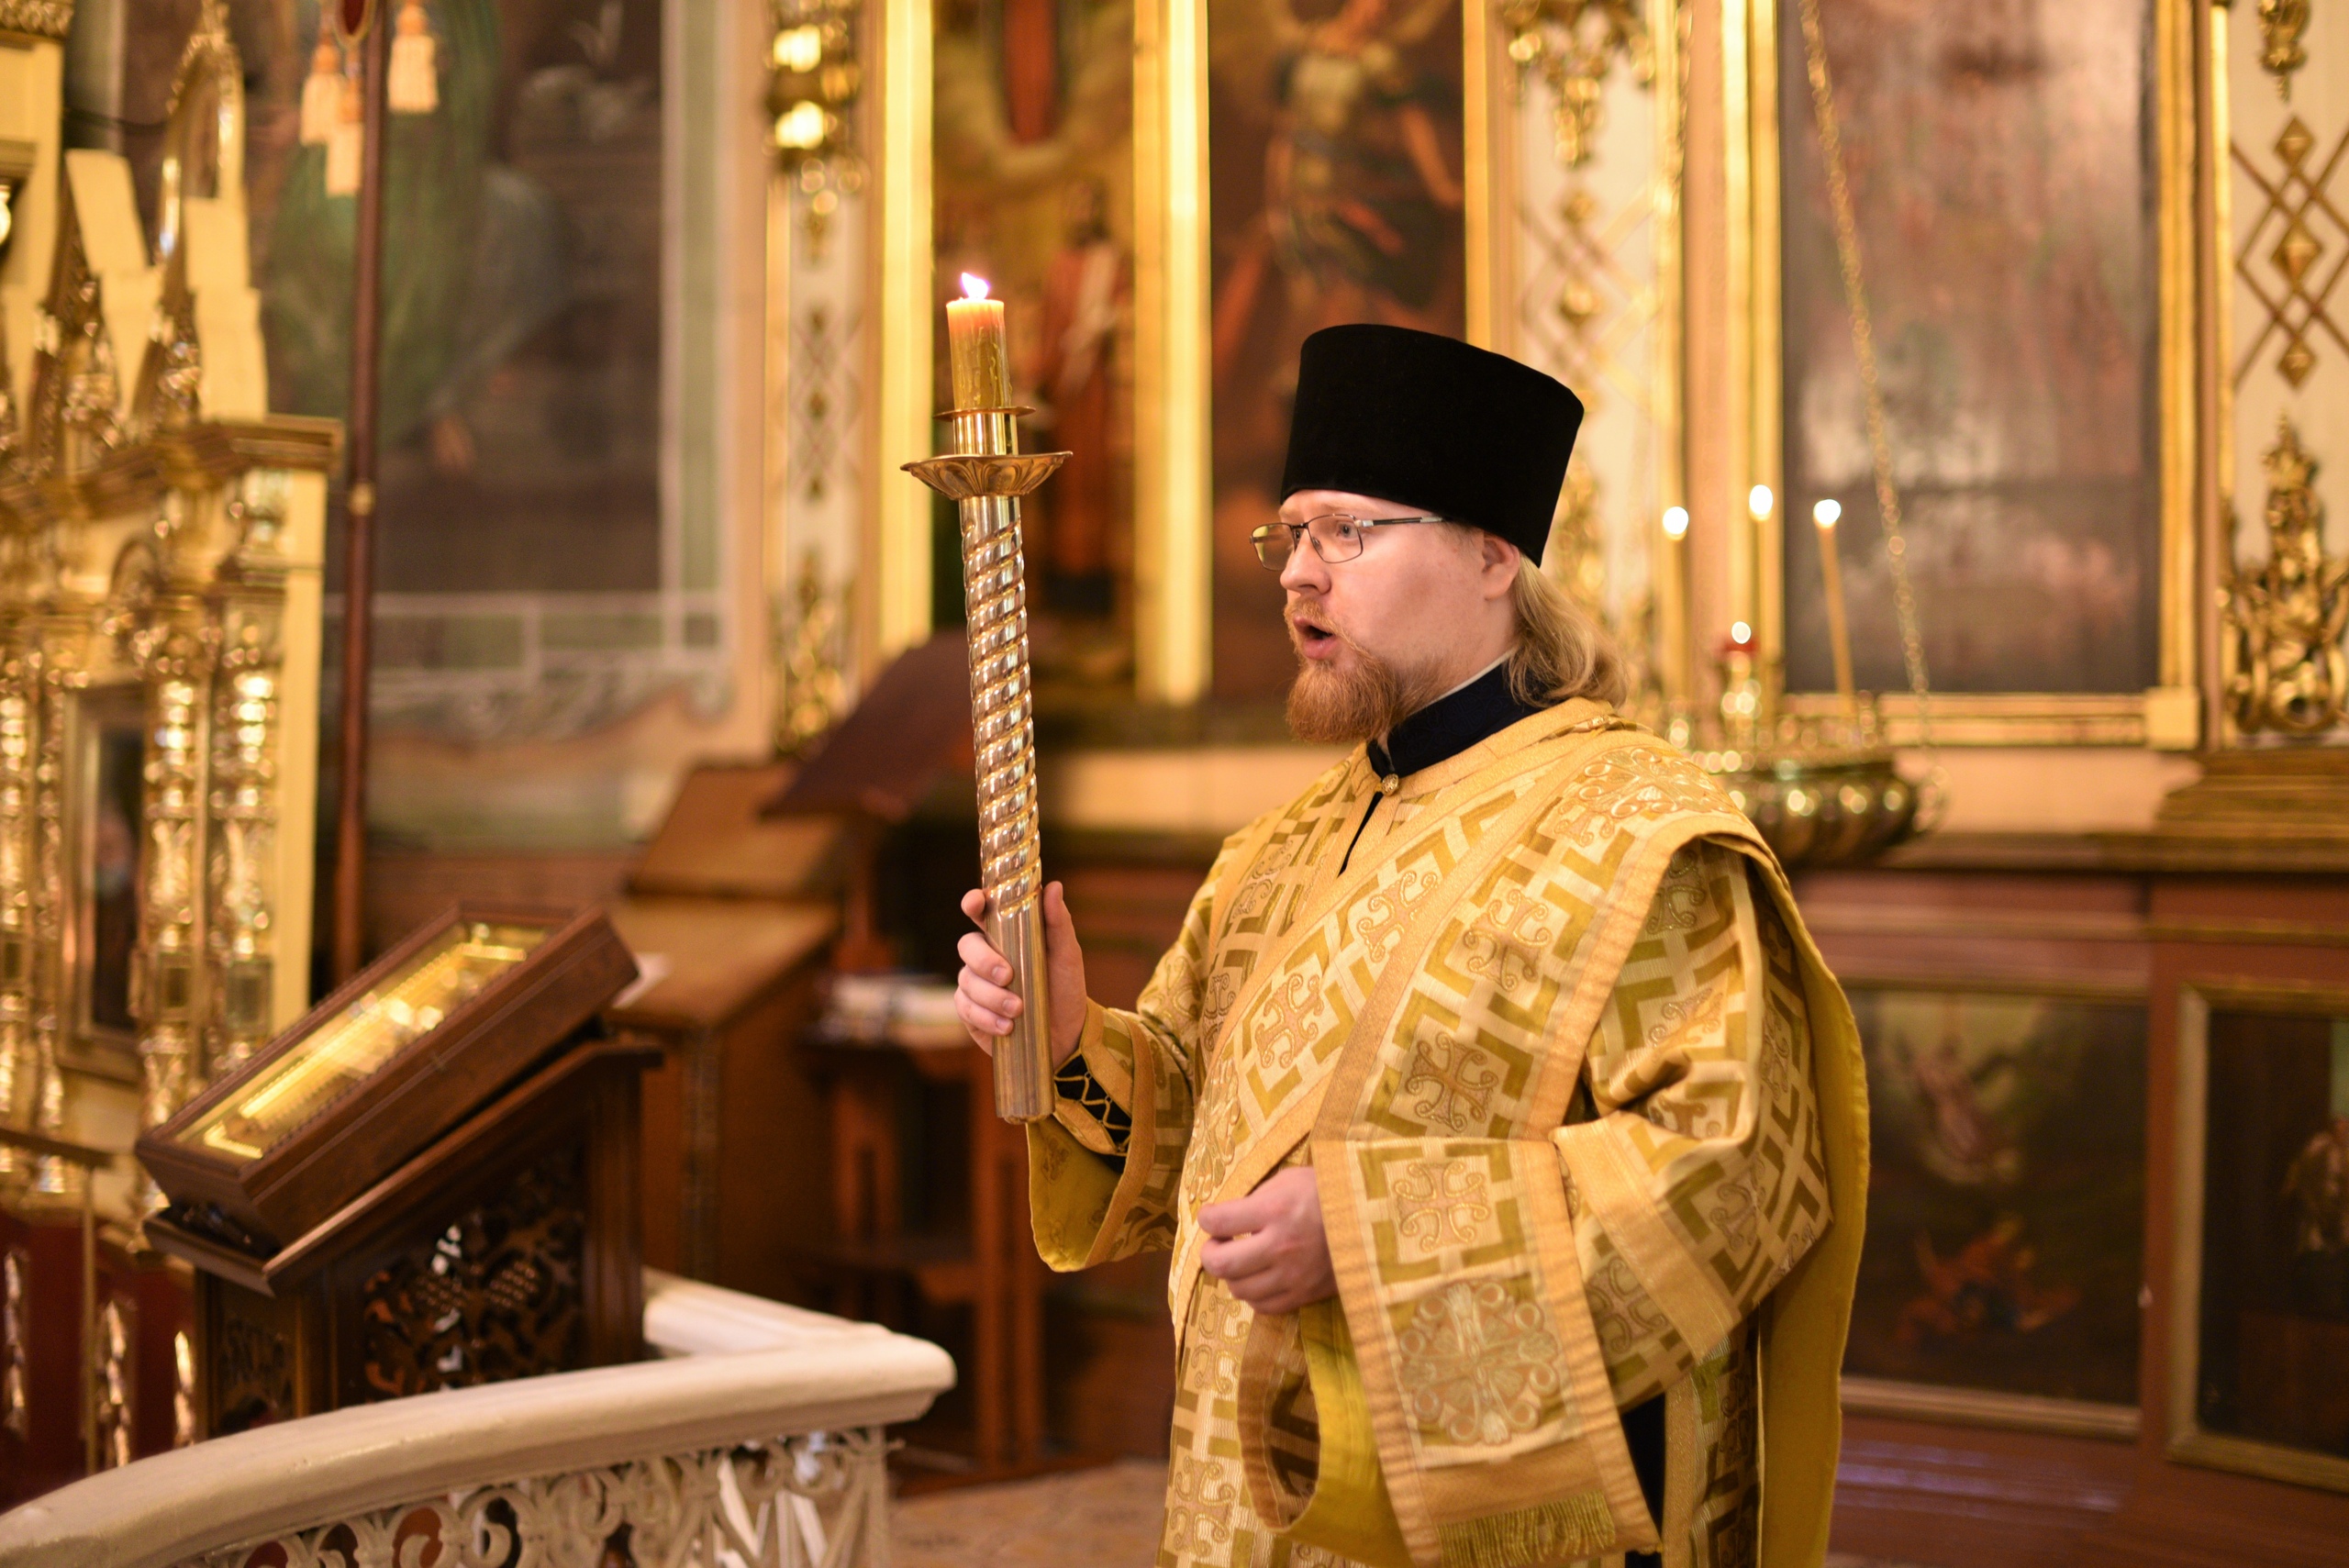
x=1366 y=697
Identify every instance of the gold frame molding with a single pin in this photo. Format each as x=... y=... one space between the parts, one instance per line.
x=1174 y=482
x=2169 y=715
x=896 y=589
x=1173 y=493
x=2186 y=1440
x=83 y=1045
x=2008 y=1412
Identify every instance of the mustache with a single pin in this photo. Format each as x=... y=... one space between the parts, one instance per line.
x=1306 y=612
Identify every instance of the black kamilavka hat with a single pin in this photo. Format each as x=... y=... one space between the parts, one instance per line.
x=1429 y=422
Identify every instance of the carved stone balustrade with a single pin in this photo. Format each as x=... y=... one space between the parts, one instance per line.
x=758 y=1435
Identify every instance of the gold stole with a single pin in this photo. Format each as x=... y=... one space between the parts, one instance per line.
x=1421 y=1025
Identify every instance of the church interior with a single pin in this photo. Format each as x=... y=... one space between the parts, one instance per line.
x=440 y=952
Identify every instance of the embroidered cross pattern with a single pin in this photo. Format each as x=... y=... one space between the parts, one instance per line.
x=1435 y=1205
x=1458 y=1082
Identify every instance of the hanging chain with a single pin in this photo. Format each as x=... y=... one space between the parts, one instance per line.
x=1888 y=497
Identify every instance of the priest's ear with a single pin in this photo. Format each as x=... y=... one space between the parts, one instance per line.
x=1500 y=564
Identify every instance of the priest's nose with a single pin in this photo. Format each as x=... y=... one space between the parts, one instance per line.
x=1304 y=570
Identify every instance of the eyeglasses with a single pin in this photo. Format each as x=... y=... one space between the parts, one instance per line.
x=1336 y=535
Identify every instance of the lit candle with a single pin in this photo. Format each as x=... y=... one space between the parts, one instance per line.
x=1672 y=603
x=974 y=347
x=1831 y=570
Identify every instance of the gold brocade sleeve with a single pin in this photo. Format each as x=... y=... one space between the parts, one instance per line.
x=1147 y=1061
x=1698 y=1179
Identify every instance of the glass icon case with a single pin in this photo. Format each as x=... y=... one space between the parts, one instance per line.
x=405 y=1052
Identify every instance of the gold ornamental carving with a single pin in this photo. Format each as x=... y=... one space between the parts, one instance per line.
x=160 y=536
x=814 y=692
x=2281 y=23
x=2288 y=674
x=1572 y=45
x=38 y=18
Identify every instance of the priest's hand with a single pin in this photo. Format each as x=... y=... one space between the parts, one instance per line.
x=1269 y=1247
x=986 y=1008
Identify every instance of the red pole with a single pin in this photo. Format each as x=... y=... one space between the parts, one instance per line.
x=358 y=533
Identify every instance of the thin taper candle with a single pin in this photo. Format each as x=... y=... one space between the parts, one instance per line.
x=1672 y=603
x=1839 y=636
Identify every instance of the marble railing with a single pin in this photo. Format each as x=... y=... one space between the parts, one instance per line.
x=755 y=1438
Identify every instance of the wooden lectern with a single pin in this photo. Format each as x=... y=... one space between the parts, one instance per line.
x=431 y=1182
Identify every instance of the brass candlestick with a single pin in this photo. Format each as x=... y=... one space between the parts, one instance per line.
x=984 y=476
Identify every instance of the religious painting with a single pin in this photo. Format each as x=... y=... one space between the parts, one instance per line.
x=2001 y=171
x=1032 y=180
x=531 y=577
x=2004 y=1233
x=2271 y=1362
x=106 y=756
x=1335 y=195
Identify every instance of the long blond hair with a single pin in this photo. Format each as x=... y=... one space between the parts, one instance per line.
x=1561 y=653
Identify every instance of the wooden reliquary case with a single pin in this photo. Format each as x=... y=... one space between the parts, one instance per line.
x=429 y=1181
x=409 y=1048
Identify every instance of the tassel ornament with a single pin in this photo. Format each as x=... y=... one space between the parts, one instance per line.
x=343 y=149
x=322 y=94
x=414 y=84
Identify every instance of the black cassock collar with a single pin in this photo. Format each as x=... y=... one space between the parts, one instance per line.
x=1450 y=725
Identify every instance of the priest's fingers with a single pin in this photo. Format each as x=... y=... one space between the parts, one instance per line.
x=1244 y=1255
x=1287 y=1299
x=1284 y=1286
x=986 y=997
x=1064 y=974
x=985 y=1011
x=979 y=957
x=974 y=904
x=1239 y=1217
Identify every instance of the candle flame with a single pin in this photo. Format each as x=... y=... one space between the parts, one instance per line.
x=1675 y=522
x=1759 y=501
x=974 y=286
x=1827 y=514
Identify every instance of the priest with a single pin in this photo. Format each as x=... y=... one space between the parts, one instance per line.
x=1506 y=1130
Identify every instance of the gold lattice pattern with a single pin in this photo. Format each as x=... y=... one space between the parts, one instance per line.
x=1583 y=304
x=2294 y=253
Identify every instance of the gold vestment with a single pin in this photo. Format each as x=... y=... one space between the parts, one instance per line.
x=1581 y=1100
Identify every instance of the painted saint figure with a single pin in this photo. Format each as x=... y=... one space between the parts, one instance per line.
x=1362 y=206
x=1505 y=1126
x=1085 y=290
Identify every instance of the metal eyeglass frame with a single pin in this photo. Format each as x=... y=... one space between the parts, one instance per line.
x=1263 y=535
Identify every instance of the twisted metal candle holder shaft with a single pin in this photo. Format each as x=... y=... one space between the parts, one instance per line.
x=984 y=476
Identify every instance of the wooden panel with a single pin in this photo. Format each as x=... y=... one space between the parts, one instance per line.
x=406 y=889
x=2087 y=931
x=1127 y=915
x=2181 y=1514
x=768 y=1166
x=714 y=840
x=708 y=959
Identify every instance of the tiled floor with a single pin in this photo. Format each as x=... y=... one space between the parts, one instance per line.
x=1085 y=1519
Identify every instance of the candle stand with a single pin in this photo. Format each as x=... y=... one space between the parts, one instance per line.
x=985 y=475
